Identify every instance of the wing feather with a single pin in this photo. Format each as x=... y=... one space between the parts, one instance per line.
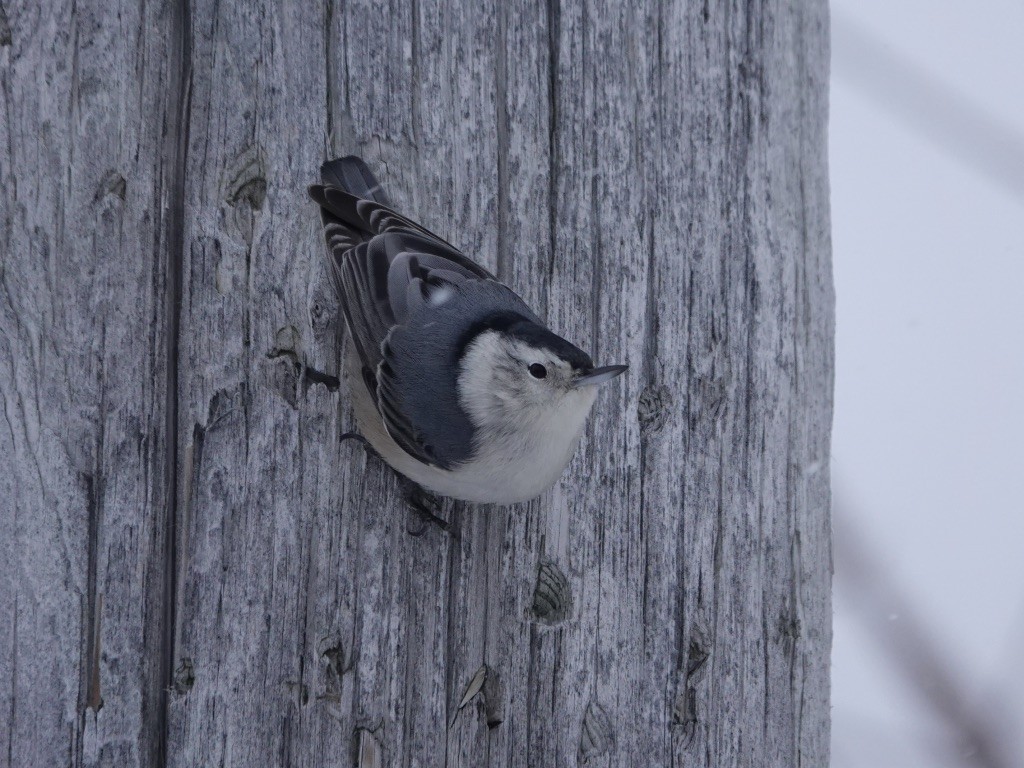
x=409 y=298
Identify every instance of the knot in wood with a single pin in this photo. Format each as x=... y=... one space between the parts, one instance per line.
x=552 y=598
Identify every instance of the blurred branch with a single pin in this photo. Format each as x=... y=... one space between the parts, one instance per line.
x=912 y=648
x=955 y=122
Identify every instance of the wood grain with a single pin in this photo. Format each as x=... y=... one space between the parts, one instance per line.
x=88 y=96
x=195 y=571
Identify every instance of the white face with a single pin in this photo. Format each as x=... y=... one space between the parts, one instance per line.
x=504 y=379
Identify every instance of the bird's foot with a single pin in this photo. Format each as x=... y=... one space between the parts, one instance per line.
x=357 y=437
x=366 y=446
x=424 y=509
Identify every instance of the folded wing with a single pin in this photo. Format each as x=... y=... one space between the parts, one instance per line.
x=411 y=301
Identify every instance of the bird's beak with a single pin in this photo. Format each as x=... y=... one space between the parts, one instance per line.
x=599 y=375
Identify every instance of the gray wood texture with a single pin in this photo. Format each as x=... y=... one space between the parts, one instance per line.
x=194 y=571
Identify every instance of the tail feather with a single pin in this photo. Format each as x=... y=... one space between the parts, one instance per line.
x=355 y=210
x=354 y=206
x=352 y=175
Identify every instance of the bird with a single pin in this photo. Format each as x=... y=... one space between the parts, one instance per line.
x=454 y=381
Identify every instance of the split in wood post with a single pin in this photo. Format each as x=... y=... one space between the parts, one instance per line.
x=488 y=682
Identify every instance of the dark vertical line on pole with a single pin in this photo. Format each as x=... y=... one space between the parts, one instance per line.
x=501 y=118
x=13 y=717
x=554 y=33
x=346 y=48
x=589 y=71
x=90 y=671
x=415 y=101
x=328 y=73
x=649 y=373
x=416 y=76
x=175 y=151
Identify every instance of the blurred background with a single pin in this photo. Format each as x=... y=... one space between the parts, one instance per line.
x=927 y=171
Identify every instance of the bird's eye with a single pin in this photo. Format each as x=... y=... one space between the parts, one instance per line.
x=538 y=371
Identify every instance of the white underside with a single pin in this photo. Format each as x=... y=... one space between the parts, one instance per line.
x=511 y=470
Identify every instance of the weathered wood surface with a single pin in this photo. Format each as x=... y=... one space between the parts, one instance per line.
x=194 y=571
x=86 y=174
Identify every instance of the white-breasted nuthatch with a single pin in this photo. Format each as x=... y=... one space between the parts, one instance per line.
x=455 y=382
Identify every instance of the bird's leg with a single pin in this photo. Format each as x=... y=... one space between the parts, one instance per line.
x=359 y=439
x=370 y=450
x=424 y=505
x=420 y=502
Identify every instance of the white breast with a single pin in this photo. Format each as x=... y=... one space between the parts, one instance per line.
x=514 y=462
x=522 y=462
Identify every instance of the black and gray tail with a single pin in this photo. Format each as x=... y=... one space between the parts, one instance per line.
x=350 y=174
x=347 y=190
x=355 y=208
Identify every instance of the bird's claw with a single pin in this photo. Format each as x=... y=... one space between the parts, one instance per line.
x=423 y=507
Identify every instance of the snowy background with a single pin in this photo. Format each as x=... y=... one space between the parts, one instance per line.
x=927 y=173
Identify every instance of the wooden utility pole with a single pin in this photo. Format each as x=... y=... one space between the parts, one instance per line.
x=194 y=571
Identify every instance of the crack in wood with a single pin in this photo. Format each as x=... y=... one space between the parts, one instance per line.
x=175 y=157
x=503 y=260
x=94 y=700
x=684 y=709
x=369 y=752
x=94 y=599
x=487 y=683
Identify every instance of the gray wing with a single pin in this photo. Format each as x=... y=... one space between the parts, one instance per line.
x=417 y=382
x=410 y=300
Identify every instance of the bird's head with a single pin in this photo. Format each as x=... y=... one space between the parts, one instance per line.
x=515 y=371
